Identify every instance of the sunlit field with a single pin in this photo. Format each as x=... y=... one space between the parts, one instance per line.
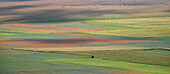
x=60 y=36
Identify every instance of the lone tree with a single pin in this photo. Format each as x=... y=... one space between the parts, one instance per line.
x=92 y=56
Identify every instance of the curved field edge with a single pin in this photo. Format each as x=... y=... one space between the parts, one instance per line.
x=115 y=65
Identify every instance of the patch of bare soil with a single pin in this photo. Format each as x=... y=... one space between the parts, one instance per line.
x=83 y=48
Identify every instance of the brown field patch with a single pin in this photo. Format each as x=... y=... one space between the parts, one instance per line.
x=92 y=48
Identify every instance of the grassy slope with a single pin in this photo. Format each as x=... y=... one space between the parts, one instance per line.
x=23 y=62
x=129 y=56
x=146 y=62
x=8 y=34
x=142 y=27
x=105 y=59
x=67 y=15
x=115 y=65
x=137 y=22
x=136 y=33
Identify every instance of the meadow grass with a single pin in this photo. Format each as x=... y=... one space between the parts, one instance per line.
x=23 y=62
x=157 y=28
x=124 y=55
x=162 y=38
x=135 y=32
x=8 y=33
x=115 y=60
x=115 y=65
x=133 y=22
x=125 y=21
x=165 y=51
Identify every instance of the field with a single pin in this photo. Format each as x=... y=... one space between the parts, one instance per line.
x=116 y=61
x=26 y=62
x=54 y=36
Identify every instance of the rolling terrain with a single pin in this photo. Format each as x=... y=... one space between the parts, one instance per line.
x=60 y=36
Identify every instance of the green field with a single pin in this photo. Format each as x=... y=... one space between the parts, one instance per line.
x=27 y=61
x=119 y=60
x=14 y=61
x=140 y=27
x=136 y=33
x=127 y=55
x=115 y=65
